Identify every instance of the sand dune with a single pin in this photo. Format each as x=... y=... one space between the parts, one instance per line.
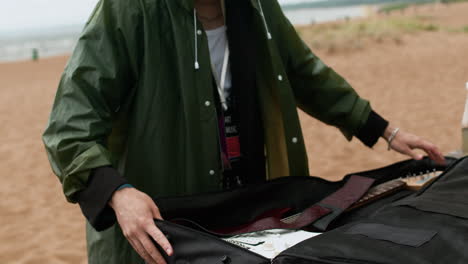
x=417 y=85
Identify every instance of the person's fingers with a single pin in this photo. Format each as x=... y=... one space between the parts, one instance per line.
x=160 y=238
x=155 y=212
x=432 y=151
x=151 y=250
x=408 y=151
x=440 y=159
x=433 y=156
x=437 y=156
x=426 y=146
x=140 y=250
x=415 y=156
x=156 y=234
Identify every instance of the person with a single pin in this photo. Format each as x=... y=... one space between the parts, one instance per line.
x=165 y=98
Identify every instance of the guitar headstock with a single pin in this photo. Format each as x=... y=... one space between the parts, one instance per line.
x=416 y=182
x=413 y=182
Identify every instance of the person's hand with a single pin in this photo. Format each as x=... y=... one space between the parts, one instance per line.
x=405 y=143
x=136 y=212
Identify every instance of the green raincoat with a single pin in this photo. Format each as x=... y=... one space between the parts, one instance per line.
x=131 y=97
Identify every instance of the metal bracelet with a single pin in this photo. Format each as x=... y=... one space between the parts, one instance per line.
x=392 y=137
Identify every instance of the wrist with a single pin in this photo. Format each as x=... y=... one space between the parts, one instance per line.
x=117 y=195
x=388 y=132
x=391 y=137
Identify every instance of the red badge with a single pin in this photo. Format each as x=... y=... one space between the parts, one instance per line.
x=233 y=147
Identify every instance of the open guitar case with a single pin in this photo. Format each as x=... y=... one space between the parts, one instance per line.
x=425 y=226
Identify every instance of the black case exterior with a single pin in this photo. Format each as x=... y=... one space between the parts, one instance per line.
x=430 y=226
x=194 y=247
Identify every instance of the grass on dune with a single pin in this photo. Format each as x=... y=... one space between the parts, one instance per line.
x=401 y=6
x=351 y=35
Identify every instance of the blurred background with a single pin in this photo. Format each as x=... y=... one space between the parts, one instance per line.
x=408 y=58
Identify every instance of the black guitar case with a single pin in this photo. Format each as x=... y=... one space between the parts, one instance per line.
x=427 y=226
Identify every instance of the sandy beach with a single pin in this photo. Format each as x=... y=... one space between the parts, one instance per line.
x=417 y=84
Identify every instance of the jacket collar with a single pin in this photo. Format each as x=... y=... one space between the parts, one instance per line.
x=186 y=4
x=189 y=4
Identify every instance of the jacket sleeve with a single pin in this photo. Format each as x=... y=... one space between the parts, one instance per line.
x=96 y=81
x=319 y=91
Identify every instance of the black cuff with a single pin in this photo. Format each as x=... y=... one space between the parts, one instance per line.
x=371 y=131
x=94 y=199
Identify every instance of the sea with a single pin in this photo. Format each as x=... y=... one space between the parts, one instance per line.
x=52 y=27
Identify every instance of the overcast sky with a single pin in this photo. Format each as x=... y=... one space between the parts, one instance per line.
x=21 y=15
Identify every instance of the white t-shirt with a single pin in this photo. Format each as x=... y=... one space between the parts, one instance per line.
x=217 y=42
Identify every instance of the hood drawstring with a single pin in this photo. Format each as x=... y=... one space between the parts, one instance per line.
x=197 y=65
x=220 y=83
x=264 y=19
